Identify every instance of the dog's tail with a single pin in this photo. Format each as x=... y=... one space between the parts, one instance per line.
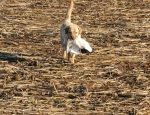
x=69 y=11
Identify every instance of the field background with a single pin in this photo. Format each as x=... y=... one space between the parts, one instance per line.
x=113 y=80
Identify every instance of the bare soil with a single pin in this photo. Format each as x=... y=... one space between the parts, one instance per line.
x=113 y=80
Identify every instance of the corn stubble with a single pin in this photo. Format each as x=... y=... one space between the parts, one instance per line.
x=114 y=79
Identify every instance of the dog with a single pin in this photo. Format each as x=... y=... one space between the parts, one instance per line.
x=70 y=35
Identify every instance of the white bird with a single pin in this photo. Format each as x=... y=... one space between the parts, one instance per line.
x=78 y=46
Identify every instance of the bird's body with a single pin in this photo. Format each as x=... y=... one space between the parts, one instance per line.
x=78 y=46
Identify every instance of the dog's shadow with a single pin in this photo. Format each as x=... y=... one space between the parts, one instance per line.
x=10 y=57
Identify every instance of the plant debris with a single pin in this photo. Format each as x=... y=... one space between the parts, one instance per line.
x=113 y=80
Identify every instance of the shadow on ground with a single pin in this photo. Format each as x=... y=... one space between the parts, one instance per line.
x=10 y=57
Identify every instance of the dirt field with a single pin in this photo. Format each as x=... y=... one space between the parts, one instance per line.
x=113 y=80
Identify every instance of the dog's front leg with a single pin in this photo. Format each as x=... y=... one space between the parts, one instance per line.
x=65 y=54
x=71 y=59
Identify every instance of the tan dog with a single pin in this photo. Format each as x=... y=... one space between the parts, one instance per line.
x=69 y=30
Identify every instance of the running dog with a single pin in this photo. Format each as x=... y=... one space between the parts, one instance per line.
x=69 y=34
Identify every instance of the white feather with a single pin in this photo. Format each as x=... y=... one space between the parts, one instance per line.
x=74 y=46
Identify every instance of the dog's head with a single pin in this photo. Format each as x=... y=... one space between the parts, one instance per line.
x=73 y=31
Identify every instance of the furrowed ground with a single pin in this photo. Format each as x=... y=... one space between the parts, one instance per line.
x=113 y=80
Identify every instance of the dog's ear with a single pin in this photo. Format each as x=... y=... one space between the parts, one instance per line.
x=67 y=30
x=80 y=30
